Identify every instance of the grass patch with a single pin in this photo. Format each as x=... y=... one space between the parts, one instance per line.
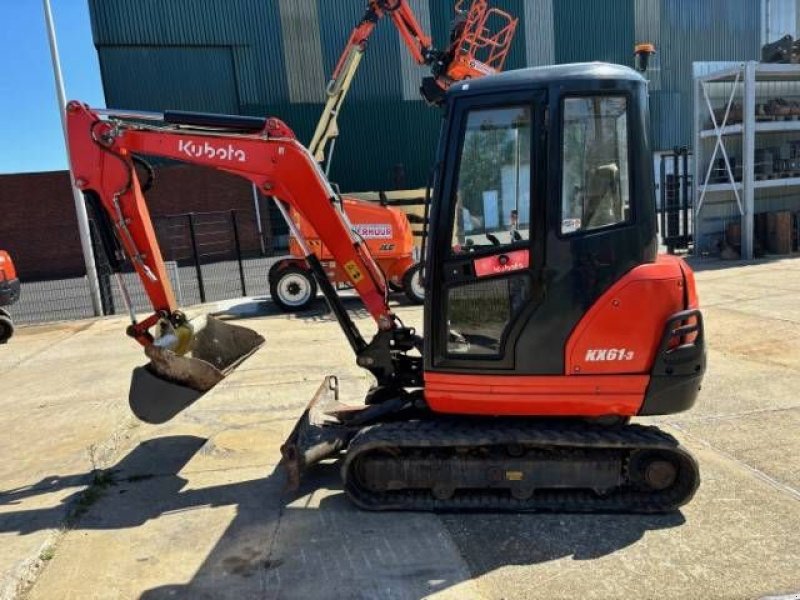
x=47 y=553
x=100 y=482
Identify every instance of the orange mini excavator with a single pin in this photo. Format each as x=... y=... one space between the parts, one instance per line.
x=550 y=318
x=9 y=294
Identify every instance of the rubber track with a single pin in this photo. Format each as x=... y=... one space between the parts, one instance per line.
x=442 y=433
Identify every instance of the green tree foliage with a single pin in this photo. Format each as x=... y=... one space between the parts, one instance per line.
x=488 y=147
x=481 y=163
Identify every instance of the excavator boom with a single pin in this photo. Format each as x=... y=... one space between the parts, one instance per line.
x=104 y=146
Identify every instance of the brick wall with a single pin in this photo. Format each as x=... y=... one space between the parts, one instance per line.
x=39 y=228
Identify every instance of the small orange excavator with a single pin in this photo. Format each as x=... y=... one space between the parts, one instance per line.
x=550 y=318
x=9 y=294
x=479 y=43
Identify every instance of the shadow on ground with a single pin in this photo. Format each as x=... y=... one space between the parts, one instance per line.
x=317 y=311
x=700 y=264
x=315 y=544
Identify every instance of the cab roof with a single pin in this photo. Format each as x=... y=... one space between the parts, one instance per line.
x=542 y=76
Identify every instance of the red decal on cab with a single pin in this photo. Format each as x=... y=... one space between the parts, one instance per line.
x=502 y=263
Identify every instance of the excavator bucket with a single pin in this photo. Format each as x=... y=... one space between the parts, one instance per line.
x=171 y=382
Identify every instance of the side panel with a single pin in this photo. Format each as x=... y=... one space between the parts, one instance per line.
x=590 y=396
x=621 y=332
x=608 y=358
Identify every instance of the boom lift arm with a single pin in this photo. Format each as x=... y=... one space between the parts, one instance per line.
x=103 y=146
x=479 y=43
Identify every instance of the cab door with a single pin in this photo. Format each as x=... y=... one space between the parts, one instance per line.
x=485 y=266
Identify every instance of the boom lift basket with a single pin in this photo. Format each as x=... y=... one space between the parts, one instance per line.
x=481 y=43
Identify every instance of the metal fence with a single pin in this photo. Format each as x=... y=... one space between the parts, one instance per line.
x=209 y=256
x=676 y=224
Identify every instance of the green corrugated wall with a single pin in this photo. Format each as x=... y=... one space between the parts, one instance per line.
x=690 y=31
x=588 y=31
x=233 y=56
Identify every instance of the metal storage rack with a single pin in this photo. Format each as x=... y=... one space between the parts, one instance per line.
x=738 y=113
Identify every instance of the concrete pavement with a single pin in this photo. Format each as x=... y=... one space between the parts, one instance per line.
x=196 y=508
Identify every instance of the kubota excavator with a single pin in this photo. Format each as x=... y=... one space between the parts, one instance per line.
x=479 y=43
x=550 y=319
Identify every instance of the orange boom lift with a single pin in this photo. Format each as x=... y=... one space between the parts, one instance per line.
x=479 y=43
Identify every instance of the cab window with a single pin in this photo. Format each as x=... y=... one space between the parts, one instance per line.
x=595 y=189
x=492 y=204
x=480 y=314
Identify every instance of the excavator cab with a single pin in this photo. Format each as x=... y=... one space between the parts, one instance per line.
x=545 y=201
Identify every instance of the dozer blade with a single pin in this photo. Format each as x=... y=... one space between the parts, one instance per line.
x=169 y=383
x=318 y=433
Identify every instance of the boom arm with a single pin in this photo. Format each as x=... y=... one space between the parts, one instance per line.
x=263 y=151
x=475 y=50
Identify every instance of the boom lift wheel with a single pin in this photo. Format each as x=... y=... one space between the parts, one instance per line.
x=292 y=288
x=412 y=284
x=6 y=326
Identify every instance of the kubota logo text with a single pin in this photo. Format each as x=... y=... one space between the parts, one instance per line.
x=606 y=354
x=206 y=150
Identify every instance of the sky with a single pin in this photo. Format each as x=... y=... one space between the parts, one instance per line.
x=31 y=138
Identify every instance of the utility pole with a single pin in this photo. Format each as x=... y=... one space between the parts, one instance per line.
x=80 y=205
